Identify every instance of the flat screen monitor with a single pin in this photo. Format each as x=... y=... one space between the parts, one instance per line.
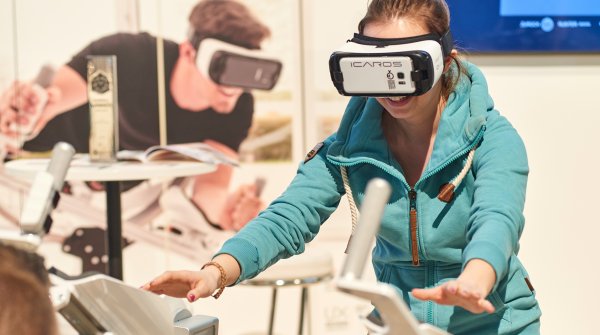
x=557 y=26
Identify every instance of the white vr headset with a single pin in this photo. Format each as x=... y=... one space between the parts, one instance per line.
x=231 y=65
x=368 y=66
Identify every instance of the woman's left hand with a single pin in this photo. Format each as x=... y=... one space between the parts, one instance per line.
x=468 y=291
x=456 y=293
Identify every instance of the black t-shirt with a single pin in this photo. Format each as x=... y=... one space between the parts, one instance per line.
x=138 y=102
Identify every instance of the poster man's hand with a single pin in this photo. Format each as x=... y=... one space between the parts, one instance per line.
x=242 y=206
x=22 y=109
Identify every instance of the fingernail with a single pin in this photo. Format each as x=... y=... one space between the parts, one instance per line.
x=191 y=298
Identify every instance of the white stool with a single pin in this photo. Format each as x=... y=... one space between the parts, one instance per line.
x=311 y=267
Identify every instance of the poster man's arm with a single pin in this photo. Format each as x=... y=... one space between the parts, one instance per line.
x=67 y=91
x=231 y=211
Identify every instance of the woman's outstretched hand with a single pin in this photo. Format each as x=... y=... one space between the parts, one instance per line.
x=458 y=294
x=468 y=291
x=196 y=284
x=185 y=284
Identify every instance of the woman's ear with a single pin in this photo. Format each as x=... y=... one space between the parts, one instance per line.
x=448 y=60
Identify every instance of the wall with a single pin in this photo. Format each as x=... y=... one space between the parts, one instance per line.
x=41 y=30
x=553 y=103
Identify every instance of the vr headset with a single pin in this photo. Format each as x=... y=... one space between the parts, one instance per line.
x=231 y=65
x=368 y=66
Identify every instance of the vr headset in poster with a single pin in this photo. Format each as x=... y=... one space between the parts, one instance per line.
x=381 y=67
x=231 y=65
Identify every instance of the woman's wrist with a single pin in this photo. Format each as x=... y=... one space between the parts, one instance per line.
x=219 y=276
x=479 y=274
x=231 y=267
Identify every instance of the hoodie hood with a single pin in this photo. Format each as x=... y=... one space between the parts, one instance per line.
x=360 y=136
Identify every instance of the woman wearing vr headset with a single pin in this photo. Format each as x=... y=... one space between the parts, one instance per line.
x=450 y=232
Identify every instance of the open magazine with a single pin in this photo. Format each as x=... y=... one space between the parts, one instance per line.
x=200 y=152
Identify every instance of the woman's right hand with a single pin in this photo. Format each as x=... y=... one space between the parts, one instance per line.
x=185 y=284
x=197 y=284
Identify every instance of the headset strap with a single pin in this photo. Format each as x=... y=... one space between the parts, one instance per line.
x=445 y=40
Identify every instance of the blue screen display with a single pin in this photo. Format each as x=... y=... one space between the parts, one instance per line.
x=488 y=26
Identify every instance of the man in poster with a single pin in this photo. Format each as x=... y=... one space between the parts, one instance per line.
x=198 y=109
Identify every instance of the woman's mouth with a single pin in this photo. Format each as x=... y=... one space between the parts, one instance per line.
x=398 y=101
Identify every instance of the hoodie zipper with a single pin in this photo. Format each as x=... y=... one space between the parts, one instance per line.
x=414 y=244
x=430 y=282
x=412 y=194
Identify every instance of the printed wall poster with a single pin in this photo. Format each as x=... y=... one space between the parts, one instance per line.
x=263 y=104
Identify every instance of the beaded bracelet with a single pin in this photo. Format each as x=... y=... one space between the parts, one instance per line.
x=222 y=280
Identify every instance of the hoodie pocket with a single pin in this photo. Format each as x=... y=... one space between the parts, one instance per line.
x=501 y=310
x=520 y=293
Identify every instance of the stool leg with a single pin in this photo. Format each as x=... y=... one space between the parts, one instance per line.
x=272 y=318
x=303 y=299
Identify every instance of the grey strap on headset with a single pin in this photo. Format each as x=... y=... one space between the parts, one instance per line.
x=445 y=40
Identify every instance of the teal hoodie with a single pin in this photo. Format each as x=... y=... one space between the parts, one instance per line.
x=484 y=219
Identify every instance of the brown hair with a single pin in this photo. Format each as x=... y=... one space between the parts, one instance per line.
x=434 y=14
x=25 y=306
x=12 y=257
x=228 y=21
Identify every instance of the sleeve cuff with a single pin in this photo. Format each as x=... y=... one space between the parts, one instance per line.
x=245 y=253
